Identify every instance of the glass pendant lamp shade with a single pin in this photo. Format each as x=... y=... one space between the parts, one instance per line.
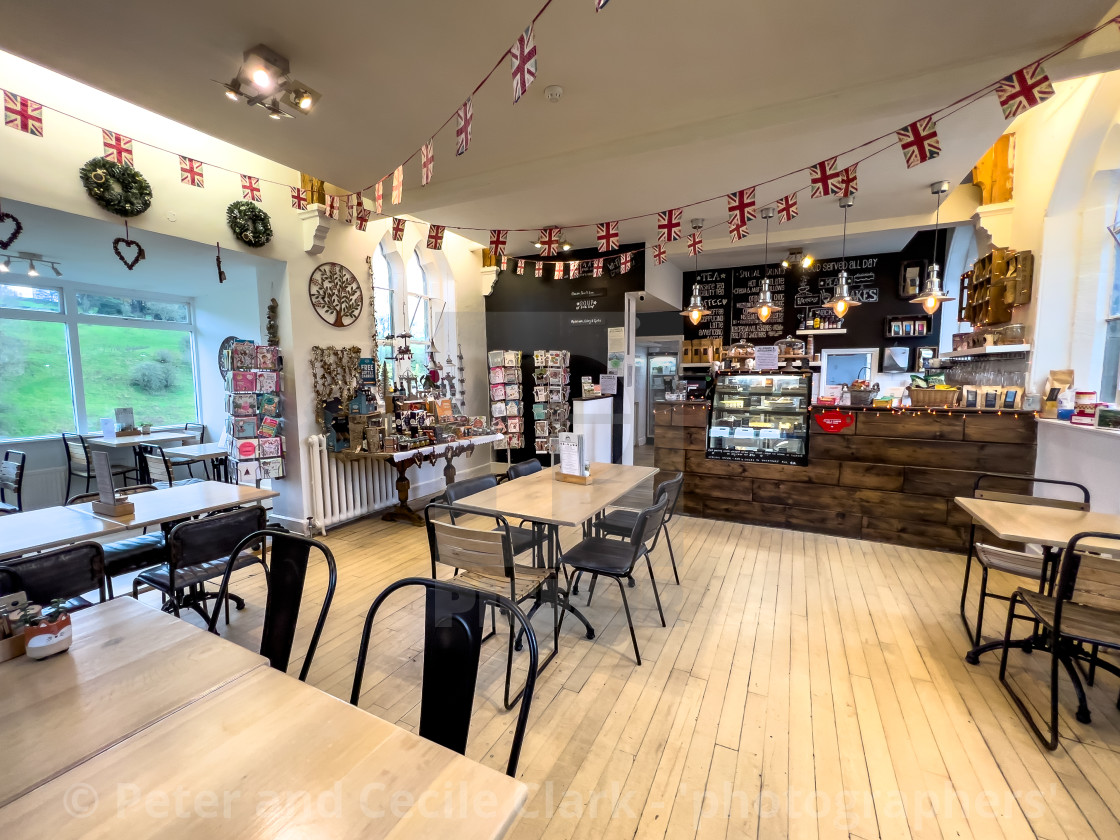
x=695 y=310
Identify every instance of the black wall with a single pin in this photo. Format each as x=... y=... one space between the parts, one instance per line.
x=528 y=313
x=874 y=279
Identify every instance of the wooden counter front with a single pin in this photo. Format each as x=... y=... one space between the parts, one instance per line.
x=888 y=477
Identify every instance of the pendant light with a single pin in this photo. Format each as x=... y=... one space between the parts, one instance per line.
x=933 y=295
x=764 y=307
x=696 y=310
x=842 y=299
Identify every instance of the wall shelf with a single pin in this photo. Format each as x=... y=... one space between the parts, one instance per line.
x=822 y=332
x=992 y=350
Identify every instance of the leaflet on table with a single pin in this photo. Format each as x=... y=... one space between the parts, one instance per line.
x=571 y=454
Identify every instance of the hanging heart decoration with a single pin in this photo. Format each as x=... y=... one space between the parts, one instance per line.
x=5 y=244
x=128 y=243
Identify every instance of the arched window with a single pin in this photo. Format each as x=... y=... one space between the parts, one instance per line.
x=1110 y=369
x=383 y=304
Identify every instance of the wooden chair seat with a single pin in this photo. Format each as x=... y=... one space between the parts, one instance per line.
x=526 y=583
x=1095 y=625
x=1010 y=561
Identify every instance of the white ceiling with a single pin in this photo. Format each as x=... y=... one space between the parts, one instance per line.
x=666 y=103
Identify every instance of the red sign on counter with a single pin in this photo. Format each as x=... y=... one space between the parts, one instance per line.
x=834 y=421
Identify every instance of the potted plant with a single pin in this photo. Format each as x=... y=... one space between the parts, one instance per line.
x=49 y=632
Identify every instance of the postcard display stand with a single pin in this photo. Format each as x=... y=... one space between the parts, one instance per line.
x=551 y=390
x=507 y=404
x=253 y=412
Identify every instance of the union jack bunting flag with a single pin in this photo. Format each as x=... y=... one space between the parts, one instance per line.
x=597 y=268
x=299 y=198
x=23 y=114
x=558 y=271
x=118 y=148
x=378 y=197
x=736 y=229
x=624 y=263
x=398 y=229
x=427 y=162
x=251 y=188
x=498 y=242
x=463 y=119
x=606 y=234
x=823 y=178
x=353 y=204
x=741 y=206
x=332 y=206
x=505 y=263
x=520 y=267
x=190 y=171
x=669 y=225
x=550 y=241
x=1023 y=89
x=539 y=270
x=573 y=269
x=398 y=184
x=362 y=218
x=695 y=244
x=847 y=183
x=435 y=237
x=523 y=58
x=919 y=141
x=659 y=255
x=787 y=208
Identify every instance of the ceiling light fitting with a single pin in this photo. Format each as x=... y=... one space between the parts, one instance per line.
x=695 y=310
x=6 y=266
x=842 y=299
x=797 y=257
x=34 y=261
x=264 y=79
x=764 y=306
x=933 y=294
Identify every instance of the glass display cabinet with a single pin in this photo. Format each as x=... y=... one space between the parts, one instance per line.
x=761 y=417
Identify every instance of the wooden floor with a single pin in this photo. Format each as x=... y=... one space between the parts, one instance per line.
x=806 y=686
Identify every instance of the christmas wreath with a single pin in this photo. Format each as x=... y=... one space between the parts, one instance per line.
x=249 y=223
x=118 y=188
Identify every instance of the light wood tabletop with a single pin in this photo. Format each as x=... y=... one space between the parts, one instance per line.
x=268 y=756
x=181 y=501
x=197 y=450
x=541 y=498
x=1036 y=523
x=129 y=666
x=152 y=438
x=35 y=530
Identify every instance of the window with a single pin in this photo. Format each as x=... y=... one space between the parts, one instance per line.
x=1111 y=365
x=383 y=305
x=68 y=357
x=419 y=315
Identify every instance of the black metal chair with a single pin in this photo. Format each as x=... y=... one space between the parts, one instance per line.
x=133 y=554
x=11 y=480
x=78 y=463
x=199 y=551
x=620 y=522
x=189 y=461
x=523 y=538
x=161 y=473
x=67 y=573
x=1036 y=567
x=285 y=574
x=1084 y=610
x=616 y=560
x=483 y=560
x=524 y=468
x=453 y=635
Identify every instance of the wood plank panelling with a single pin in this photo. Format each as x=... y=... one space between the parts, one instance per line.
x=668 y=459
x=889 y=477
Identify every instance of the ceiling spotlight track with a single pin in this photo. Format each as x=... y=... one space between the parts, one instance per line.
x=264 y=79
x=34 y=263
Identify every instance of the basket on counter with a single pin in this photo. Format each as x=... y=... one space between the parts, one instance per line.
x=933 y=397
x=861 y=391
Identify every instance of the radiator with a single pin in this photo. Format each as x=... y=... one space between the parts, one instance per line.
x=344 y=490
x=46 y=488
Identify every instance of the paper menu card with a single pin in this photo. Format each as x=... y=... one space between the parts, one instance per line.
x=103 y=470
x=571 y=455
x=124 y=418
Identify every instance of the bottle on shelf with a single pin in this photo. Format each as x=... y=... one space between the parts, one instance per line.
x=817 y=322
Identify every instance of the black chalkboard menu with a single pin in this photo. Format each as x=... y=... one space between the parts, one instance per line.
x=872 y=278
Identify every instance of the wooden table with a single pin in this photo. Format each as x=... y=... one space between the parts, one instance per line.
x=261 y=755
x=132 y=441
x=129 y=666
x=214 y=452
x=548 y=503
x=35 y=530
x=180 y=502
x=1036 y=524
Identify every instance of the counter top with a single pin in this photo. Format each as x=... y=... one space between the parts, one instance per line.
x=920 y=410
x=1051 y=422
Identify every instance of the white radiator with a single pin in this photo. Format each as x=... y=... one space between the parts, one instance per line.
x=344 y=490
x=46 y=488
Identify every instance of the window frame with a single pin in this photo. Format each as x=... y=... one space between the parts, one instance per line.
x=70 y=317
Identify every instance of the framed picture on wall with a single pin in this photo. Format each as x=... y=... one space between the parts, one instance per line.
x=896 y=329
x=907 y=329
x=910 y=278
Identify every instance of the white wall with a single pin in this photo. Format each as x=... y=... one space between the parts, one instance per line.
x=43 y=171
